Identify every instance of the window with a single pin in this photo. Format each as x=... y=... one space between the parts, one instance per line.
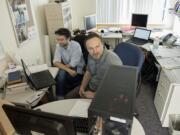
x=120 y=11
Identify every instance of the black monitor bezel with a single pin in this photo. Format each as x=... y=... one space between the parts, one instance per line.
x=142 y=16
x=67 y=121
x=85 y=22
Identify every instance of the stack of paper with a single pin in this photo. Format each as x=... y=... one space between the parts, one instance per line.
x=80 y=109
x=170 y=63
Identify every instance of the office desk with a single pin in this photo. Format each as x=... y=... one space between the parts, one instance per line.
x=64 y=107
x=168 y=90
x=20 y=97
x=111 y=38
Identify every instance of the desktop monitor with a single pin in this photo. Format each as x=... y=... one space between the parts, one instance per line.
x=139 y=20
x=27 y=121
x=90 y=22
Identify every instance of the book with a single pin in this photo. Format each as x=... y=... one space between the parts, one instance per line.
x=17 y=90
x=17 y=85
x=14 y=77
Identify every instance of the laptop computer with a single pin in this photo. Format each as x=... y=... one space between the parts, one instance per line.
x=38 y=80
x=140 y=36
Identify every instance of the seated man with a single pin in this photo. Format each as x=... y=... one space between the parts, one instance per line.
x=99 y=60
x=69 y=59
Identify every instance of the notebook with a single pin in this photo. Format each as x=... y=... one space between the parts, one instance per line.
x=14 y=77
x=38 y=80
x=140 y=36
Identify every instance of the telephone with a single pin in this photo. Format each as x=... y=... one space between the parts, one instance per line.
x=168 y=39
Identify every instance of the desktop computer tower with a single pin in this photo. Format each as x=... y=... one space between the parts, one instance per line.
x=113 y=105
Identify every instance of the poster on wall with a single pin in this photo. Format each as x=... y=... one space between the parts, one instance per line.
x=22 y=20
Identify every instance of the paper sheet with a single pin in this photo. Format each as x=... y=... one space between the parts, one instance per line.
x=170 y=63
x=80 y=109
x=164 y=52
x=38 y=68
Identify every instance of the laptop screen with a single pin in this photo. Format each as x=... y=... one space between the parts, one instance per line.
x=142 y=33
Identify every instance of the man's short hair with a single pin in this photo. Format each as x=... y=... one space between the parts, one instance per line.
x=63 y=32
x=92 y=35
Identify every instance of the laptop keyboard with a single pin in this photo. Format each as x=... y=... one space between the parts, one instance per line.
x=138 y=41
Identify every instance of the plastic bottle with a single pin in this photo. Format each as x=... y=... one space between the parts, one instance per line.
x=156 y=43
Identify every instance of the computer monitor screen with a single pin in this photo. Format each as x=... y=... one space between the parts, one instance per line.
x=27 y=122
x=139 y=20
x=90 y=22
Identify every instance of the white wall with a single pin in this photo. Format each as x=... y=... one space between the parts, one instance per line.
x=30 y=52
x=38 y=6
x=169 y=18
x=79 y=9
x=176 y=26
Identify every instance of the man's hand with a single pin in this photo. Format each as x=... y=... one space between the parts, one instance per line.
x=81 y=91
x=88 y=94
x=72 y=73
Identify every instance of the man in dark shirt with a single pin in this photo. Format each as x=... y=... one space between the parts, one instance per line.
x=99 y=60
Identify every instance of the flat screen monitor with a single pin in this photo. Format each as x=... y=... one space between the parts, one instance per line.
x=27 y=121
x=139 y=20
x=90 y=22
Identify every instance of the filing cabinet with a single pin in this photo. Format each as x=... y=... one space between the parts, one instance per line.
x=167 y=95
x=57 y=15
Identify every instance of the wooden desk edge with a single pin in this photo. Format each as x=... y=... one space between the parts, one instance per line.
x=6 y=127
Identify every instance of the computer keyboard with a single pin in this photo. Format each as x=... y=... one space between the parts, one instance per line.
x=81 y=124
x=138 y=41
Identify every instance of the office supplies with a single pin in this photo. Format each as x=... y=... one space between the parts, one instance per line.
x=14 y=77
x=115 y=29
x=140 y=36
x=115 y=98
x=17 y=85
x=169 y=39
x=139 y=20
x=39 y=80
x=170 y=63
x=35 y=97
x=89 y=22
x=26 y=120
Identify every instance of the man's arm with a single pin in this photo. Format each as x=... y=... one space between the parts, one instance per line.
x=65 y=68
x=85 y=81
x=57 y=62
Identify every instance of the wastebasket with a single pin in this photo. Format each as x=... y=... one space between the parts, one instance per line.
x=174 y=124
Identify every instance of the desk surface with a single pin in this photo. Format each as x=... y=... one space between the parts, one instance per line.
x=169 y=60
x=64 y=107
x=21 y=95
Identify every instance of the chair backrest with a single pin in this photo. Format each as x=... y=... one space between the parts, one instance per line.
x=80 y=39
x=130 y=55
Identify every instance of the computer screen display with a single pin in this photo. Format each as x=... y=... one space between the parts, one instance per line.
x=142 y=33
x=90 y=22
x=139 y=20
x=27 y=121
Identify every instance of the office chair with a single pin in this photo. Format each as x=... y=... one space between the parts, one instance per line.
x=131 y=55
